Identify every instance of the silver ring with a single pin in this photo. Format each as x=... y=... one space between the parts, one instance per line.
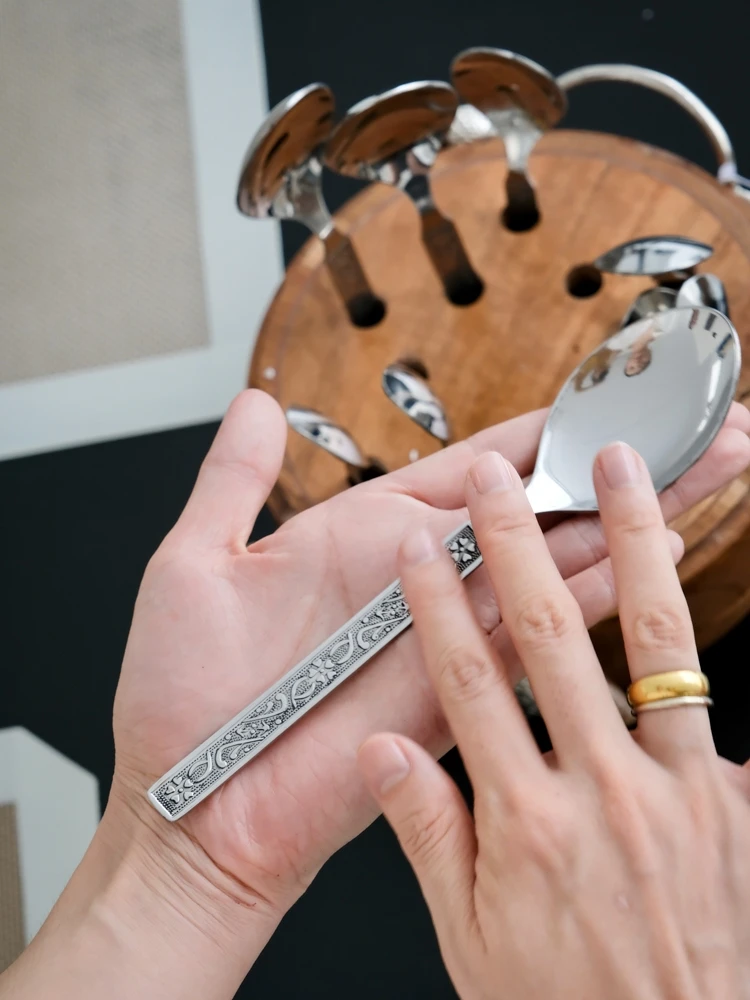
x=690 y=699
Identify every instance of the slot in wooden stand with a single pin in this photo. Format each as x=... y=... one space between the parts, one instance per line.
x=511 y=350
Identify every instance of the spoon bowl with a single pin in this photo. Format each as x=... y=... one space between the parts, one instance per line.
x=704 y=290
x=495 y=80
x=654 y=255
x=665 y=386
x=380 y=127
x=413 y=396
x=326 y=434
x=653 y=300
x=291 y=134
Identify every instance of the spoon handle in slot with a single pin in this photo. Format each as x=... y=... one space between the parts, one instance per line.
x=345 y=269
x=304 y=686
x=446 y=251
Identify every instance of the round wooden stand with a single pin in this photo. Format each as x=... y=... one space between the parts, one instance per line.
x=510 y=351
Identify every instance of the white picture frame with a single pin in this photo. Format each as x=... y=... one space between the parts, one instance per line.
x=241 y=260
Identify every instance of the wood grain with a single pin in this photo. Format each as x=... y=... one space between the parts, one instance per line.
x=510 y=351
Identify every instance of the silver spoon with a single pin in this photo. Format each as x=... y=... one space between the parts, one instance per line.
x=659 y=256
x=704 y=290
x=331 y=437
x=669 y=413
x=653 y=300
x=281 y=178
x=395 y=138
x=522 y=101
x=413 y=396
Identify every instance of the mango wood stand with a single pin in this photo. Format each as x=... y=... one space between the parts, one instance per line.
x=510 y=351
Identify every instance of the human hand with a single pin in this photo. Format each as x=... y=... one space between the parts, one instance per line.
x=216 y=623
x=617 y=867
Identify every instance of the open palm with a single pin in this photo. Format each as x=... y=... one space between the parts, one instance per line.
x=217 y=622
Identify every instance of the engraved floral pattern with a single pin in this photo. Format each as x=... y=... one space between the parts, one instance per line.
x=463 y=550
x=358 y=640
x=179 y=790
x=321 y=671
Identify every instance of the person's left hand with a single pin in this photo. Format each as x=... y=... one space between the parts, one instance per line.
x=217 y=622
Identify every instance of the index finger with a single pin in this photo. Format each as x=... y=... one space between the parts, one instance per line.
x=439 y=479
x=473 y=688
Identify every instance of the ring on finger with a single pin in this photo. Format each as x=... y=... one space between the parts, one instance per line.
x=669 y=690
x=674 y=703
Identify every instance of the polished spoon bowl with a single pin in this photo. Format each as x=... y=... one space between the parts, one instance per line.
x=281 y=178
x=413 y=396
x=522 y=101
x=669 y=408
x=704 y=290
x=394 y=138
x=653 y=300
x=657 y=256
x=326 y=434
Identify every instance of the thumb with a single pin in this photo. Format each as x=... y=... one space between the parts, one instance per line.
x=237 y=474
x=431 y=821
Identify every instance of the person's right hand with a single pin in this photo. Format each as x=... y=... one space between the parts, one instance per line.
x=217 y=622
x=619 y=867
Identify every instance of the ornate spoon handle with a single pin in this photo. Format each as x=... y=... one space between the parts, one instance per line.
x=299 y=690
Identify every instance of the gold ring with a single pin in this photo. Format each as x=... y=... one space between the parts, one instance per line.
x=688 y=699
x=669 y=686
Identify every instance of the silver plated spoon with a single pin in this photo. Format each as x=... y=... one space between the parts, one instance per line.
x=281 y=178
x=522 y=101
x=395 y=138
x=413 y=396
x=658 y=256
x=669 y=407
x=326 y=434
x=653 y=300
x=704 y=290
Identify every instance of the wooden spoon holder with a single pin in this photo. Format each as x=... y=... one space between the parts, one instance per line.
x=510 y=351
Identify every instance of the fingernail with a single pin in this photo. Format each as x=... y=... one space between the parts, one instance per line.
x=419 y=547
x=491 y=473
x=383 y=764
x=620 y=466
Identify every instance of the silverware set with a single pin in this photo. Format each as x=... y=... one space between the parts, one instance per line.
x=395 y=138
x=663 y=382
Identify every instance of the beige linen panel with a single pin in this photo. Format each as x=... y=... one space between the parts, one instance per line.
x=99 y=252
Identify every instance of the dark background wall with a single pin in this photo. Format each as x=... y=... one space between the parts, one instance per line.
x=78 y=526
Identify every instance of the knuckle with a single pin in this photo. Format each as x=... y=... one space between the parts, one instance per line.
x=640 y=519
x=465 y=674
x=661 y=626
x=548 y=837
x=614 y=784
x=509 y=524
x=624 y=814
x=425 y=836
x=542 y=619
